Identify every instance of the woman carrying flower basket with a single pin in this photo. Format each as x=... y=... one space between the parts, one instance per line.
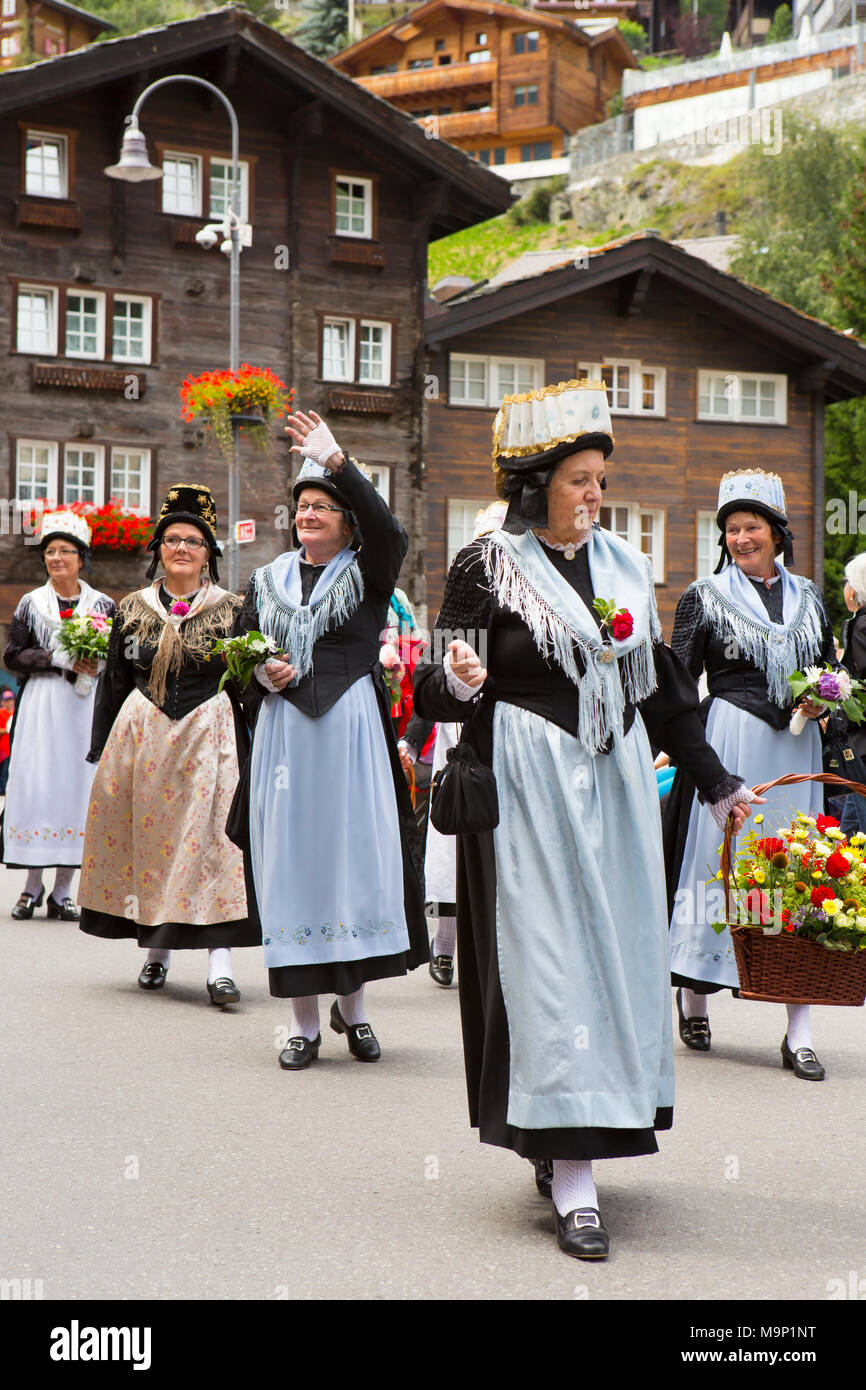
x=49 y=780
x=750 y=626
x=329 y=827
x=158 y=867
x=561 y=922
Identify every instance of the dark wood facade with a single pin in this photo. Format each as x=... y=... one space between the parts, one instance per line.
x=500 y=81
x=302 y=126
x=645 y=301
x=43 y=28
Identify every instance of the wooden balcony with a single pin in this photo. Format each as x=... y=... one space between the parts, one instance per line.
x=420 y=82
x=461 y=123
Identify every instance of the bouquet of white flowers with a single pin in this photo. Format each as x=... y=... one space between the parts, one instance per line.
x=84 y=637
x=243 y=654
x=832 y=689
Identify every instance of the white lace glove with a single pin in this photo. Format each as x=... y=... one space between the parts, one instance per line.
x=264 y=679
x=62 y=660
x=404 y=747
x=720 y=810
x=321 y=446
x=456 y=687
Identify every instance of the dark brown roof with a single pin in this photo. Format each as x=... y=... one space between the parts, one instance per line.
x=459 y=193
x=834 y=360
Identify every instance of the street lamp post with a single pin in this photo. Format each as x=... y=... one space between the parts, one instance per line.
x=135 y=167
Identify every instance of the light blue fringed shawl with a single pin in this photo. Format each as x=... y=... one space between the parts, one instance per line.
x=736 y=614
x=297 y=627
x=526 y=583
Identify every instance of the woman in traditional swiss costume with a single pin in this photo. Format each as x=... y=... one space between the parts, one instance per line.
x=158 y=867
x=562 y=930
x=49 y=779
x=331 y=828
x=749 y=626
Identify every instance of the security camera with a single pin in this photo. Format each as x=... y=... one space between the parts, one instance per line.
x=207 y=237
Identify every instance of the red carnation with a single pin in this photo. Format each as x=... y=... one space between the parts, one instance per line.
x=622 y=625
x=758 y=907
x=769 y=847
x=66 y=612
x=837 y=865
x=823 y=823
x=820 y=894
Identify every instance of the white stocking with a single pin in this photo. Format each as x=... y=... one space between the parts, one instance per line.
x=159 y=958
x=219 y=965
x=305 y=1017
x=33 y=886
x=573 y=1186
x=694 y=1005
x=352 y=1007
x=446 y=937
x=62 y=884
x=799 y=1026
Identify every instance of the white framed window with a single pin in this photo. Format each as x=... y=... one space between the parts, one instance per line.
x=54 y=42
x=83 y=473
x=338 y=349
x=461 y=522
x=642 y=527
x=380 y=477
x=353 y=206
x=85 y=324
x=36 y=327
x=633 y=388
x=374 y=353
x=46 y=164
x=220 y=188
x=129 y=481
x=181 y=184
x=131 y=318
x=757 y=398
x=10 y=44
x=707 y=535
x=9 y=8
x=35 y=470
x=479 y=55
x=475 y=380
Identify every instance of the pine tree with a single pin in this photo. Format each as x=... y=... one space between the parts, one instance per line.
x=326 y=29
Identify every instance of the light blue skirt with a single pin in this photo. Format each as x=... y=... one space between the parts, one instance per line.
x=757 y=753
x=324 y=834
x=581 y=928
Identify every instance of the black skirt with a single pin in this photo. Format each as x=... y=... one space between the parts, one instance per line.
x=172 y=936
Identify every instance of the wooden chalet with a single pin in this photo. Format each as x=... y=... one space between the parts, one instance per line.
x=705 y=373
x=44 y=28
x=506 y=84
x=107 y=302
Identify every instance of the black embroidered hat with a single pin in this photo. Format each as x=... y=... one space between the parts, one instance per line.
x=192 y=502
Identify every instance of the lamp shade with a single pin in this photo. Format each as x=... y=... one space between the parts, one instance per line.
x=134 y=165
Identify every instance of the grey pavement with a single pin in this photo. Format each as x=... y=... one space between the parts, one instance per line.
x=153 y=1148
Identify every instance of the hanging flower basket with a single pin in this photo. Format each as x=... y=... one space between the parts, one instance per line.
x=248 y=400
x=113 y=526
x=796 y=908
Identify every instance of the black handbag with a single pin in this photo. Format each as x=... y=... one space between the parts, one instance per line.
x=463 y=795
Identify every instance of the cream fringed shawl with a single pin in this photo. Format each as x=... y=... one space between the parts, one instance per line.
x=177 y=639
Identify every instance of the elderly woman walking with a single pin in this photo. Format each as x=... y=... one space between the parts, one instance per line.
x=562 y=934
x=49 y=779
x=158 y=867
x=854 y=661
x=331 y=828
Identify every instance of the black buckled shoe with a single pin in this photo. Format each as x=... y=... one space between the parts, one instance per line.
x=694 y=1032
x=152 y=975
x=223 y=991
x=544 y=1176
x=581 y=1234
x=299 y=1053
x=23 y=909
x=442 y=969
x=360 y=1036
x=803 y=1062
x=65 y=910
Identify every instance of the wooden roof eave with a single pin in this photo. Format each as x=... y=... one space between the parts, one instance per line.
x=482 y=193
x=777 y=324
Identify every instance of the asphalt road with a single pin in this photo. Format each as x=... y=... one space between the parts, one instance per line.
x=153 y=1148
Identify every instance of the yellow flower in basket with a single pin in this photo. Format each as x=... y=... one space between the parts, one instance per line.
x=832 y=906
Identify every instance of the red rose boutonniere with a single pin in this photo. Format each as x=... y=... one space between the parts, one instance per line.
x=618 y=621
x=66 y=613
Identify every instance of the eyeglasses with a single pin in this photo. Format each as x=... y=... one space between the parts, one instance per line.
x=191 y=543
x=59 y=554
x=317 y=508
